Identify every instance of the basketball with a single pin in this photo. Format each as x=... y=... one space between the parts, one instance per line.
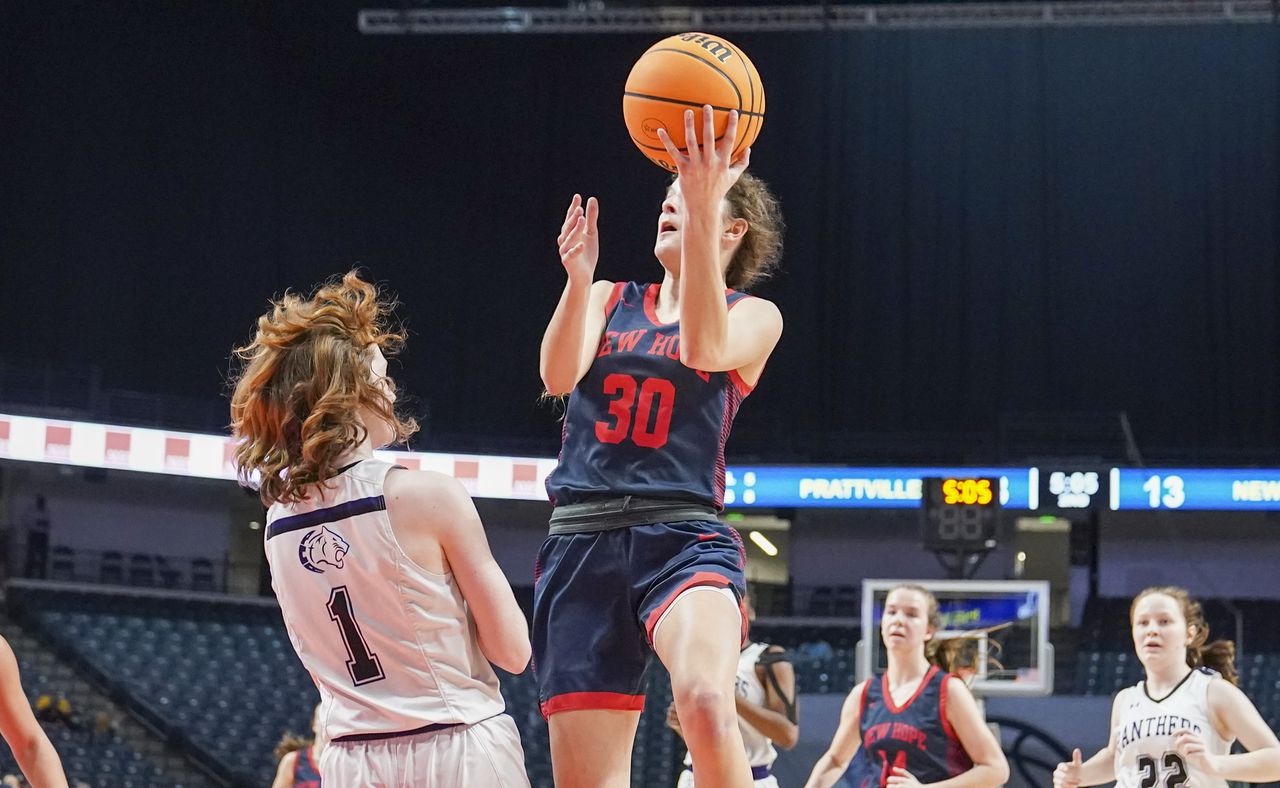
x=684 y=72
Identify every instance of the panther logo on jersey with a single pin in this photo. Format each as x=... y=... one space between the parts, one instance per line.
x=322 y=547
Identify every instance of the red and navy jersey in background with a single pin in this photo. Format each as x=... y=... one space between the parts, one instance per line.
x=306 y=773
x=915 y=736
x=640 y=422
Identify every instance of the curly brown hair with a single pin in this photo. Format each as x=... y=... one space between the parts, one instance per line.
x=302 y=380
x=761 y=249
x=1220 y=655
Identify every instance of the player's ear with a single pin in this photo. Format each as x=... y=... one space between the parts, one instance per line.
x=737 y=229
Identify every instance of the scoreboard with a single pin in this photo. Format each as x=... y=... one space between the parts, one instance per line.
x=1042 y=488
x=1223 y=489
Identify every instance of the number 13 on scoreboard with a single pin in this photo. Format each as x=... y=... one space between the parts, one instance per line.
x=1165 y=491
x=1132 y=488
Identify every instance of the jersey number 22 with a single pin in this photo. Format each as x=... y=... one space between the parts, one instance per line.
x=1174 y=772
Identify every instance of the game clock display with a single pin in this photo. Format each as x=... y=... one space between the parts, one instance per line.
x=960 y=513
x=1067 y=489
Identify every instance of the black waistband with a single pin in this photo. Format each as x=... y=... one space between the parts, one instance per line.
x=757 y=772
x=435 y=726
x=606 y=515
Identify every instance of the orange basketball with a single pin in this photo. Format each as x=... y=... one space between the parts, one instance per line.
x=685 y=72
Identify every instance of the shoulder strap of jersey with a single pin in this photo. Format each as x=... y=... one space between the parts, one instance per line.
x=872 y=692
x=944 y=679
x=614 y=297
x=767 y=660
x=865 y=701
x=304 y=760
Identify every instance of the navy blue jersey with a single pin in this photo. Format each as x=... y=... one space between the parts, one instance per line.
x=306 y=774
x=640 y=422
x=915 y=736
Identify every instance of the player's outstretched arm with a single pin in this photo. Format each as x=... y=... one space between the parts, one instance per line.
x=1236 y=717
x=1099 y=769
x=844 y=744
x=31 y=747
x=990 y=769
x=440 y=507
x=569 y=343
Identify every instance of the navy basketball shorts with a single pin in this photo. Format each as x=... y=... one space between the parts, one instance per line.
x=598 y=596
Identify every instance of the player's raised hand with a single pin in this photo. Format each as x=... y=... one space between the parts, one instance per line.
x=707 y=170
x=1067 y=775
x=579 y=240
x=901 y=778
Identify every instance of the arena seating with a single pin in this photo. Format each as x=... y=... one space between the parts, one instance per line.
x=170 y=660
x=220 y=677
x=102 y=763
x=98 y=756
x=167 y=655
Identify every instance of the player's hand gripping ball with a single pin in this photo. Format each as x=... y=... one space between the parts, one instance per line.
x=688 y=71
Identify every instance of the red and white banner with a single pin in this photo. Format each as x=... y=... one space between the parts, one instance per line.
x=30 y=439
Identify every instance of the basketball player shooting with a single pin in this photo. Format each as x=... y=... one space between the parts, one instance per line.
x=637 y=561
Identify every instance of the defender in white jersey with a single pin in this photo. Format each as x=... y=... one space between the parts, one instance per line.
x=388 y=589
x=765 y=691
x=1174 y=729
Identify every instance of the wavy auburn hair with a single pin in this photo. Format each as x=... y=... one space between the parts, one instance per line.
x=301 y=382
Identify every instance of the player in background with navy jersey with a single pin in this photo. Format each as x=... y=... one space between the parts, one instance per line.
x=298 y=759
x=637 y=561
x=388 y=590
x=1176 y=726
x=916 y=724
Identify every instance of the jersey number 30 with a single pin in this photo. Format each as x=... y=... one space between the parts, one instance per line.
x=655 y=394
x=1174 y=772
x=363 y=666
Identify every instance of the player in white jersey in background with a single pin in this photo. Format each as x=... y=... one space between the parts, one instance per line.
x=1174 y=729
x=388 y=589
x=765 y=692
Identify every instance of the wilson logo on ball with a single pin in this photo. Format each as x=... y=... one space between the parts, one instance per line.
x=650 y=127
x=718 y=50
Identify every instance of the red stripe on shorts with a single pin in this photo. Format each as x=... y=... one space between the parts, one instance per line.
x=580 y=701
x=698 y=579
